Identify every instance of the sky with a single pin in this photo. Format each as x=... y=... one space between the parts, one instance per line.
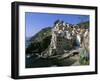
x=34 y=22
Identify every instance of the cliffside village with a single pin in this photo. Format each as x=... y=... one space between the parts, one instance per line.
x=67 y=37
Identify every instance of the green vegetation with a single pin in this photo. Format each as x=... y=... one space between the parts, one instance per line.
x=84 y=25
x=40 y=41
x=41 y=35
x=84 y=57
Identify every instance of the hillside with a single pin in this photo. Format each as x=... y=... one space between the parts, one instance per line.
x=40 y=41
x=84 y=25
x=41 y=35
